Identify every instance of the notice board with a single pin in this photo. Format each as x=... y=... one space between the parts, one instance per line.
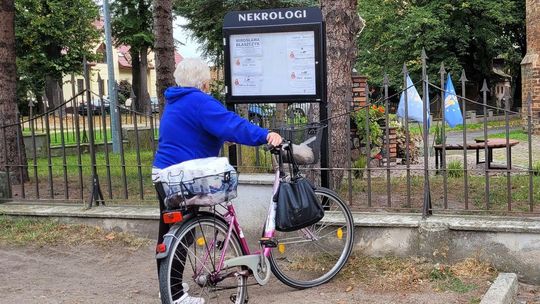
x=274 y=56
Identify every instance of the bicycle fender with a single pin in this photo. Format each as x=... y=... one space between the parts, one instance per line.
x=168 y=240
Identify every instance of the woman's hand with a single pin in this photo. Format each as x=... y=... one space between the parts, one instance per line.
x=274 y=139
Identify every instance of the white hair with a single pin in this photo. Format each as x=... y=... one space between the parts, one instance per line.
x=192 y=72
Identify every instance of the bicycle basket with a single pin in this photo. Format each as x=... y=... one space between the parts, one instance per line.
x=199 y=182
x=306 y=140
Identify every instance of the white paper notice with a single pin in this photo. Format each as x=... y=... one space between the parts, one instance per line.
x=247 y=85
x=248 y=45
x=301 y=54
x=301 y=45
x=247 y=66
x=302 y=81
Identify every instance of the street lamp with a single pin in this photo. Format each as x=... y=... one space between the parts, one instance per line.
x=111 y=84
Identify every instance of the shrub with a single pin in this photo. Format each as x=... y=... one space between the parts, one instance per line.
x=124 y=91
x=360 y=163
x=455 y=169
x=413 y=147
x=376 y=117
x=536 y=169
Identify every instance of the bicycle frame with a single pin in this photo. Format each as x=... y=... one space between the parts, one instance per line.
x=269 y=228
x=253 y=261
x=259 y=259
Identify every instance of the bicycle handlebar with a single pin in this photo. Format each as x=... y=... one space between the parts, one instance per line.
x=274 y=149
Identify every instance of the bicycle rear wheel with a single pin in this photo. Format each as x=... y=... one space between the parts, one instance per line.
x=314 y=255
x=193 y=260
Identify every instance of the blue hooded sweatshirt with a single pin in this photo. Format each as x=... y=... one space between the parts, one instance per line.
x=195 y=125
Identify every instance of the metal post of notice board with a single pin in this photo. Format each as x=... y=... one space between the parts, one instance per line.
x=277 y=56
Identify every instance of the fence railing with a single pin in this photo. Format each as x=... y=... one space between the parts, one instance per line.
x=490 y=164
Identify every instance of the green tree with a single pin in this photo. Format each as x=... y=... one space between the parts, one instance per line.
x=462 y=34
x=51 y=39
x=205 y=19
x=342 y=26
x=132 y=25
x=164 y=48
x=12 y=152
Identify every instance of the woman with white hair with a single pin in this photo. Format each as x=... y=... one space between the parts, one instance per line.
x=195 y=125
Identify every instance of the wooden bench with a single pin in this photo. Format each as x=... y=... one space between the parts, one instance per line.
x=492 y=143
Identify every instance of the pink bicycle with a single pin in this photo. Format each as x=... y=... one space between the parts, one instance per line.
x=208 y=250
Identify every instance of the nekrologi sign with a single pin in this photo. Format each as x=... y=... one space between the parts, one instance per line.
x=279 y=15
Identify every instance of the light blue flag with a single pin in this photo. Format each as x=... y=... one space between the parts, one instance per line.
x=414 y=102
x=452 y=112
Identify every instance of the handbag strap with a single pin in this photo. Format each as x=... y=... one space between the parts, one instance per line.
x=280 y=164
x=295 y=170
x=293 y=166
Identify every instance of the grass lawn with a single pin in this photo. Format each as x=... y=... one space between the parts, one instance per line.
x=132 y=185
x=519 y=135
x=456 y=192
x=70 y=134
x=116 y=185
x=135 y=169
x=416 y=128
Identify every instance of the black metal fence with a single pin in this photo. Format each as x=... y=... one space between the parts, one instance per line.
x=490 y=164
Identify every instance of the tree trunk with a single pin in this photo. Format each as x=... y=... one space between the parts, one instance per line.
x=135 y=77
x=51 y=92
x=144 y=100
x=342 y=25
x=281 y=114
x=12 y=153
x=164 y=48
x=40 y=105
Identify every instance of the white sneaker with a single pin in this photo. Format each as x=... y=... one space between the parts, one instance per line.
x=185 y=287
x=187 y=299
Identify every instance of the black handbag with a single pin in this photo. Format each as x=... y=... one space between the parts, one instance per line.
x=297 y=204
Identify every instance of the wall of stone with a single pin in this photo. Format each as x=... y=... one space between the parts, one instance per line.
x=530 y=66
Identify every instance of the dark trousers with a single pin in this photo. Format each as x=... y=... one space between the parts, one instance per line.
x=178 y=264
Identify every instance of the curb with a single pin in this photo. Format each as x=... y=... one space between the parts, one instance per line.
x=503 y=290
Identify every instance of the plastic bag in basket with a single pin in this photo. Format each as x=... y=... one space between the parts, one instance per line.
x=306 y=141
x=203 y=182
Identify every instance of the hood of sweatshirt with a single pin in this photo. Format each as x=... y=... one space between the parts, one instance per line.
x=173 y=94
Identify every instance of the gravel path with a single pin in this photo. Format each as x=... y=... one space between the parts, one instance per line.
x=93 y=274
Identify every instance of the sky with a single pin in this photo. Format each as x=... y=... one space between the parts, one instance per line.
x=190 y=47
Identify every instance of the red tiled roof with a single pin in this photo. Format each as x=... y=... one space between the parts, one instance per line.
x=124 y=57
x=99 y=24
x=177 y=57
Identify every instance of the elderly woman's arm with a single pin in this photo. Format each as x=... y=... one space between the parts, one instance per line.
x=228 y=126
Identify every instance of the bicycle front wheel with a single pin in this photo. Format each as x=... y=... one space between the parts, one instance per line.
x=314 y=255
x=193 y=262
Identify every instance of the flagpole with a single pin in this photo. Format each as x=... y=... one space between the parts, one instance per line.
x=426 y=211
x=442 y=71
x=407 y=133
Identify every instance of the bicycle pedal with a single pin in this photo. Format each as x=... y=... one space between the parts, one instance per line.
x=268 y=242
x=233 y=299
